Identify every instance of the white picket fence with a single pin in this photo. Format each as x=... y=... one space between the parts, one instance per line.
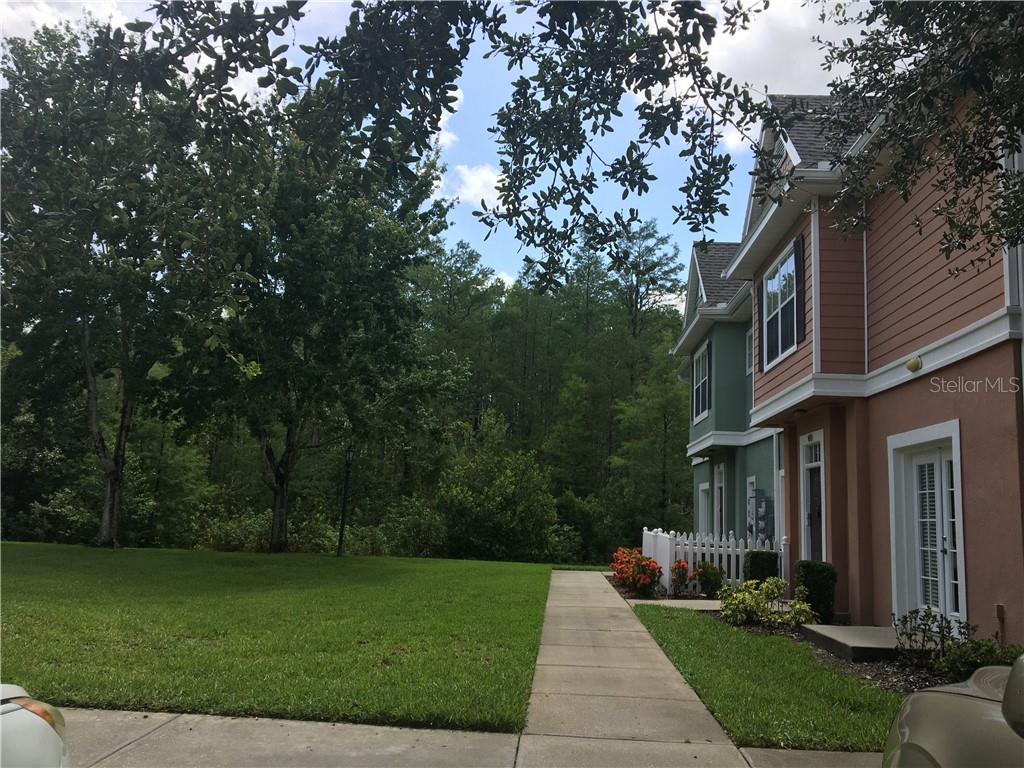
x=724 y=551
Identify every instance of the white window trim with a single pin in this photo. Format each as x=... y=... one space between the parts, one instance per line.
x=718 y=524
x=702 y=350
x=703 y=494
x=809 y=439
x=901 y=449
x=789 y=251
x=749 y=350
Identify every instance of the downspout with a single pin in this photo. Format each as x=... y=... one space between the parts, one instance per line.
x=864 y=249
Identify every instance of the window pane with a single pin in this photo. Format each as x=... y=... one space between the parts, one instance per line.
x=788 y=334
x=771 y=338
x=787 y=279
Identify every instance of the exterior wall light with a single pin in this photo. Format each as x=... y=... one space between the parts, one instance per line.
x=915 y=364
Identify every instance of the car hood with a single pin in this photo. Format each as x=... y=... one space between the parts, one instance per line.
x=986 y=683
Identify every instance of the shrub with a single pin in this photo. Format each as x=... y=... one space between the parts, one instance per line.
x=414 y=528
x=680 y=576
x=634 y=571
x=246 y=531
x=709 y=578
x=948 y=647
x=759 y=565
x=565 y=545
x=497 y=503
x=761 y=603
x=819 y=579
x=365 y=540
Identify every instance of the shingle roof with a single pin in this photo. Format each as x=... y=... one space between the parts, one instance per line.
x=806 y=124
x=712 y=258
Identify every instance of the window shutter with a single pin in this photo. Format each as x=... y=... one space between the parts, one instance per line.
x=798 y=265
x=760 y=325
x=707 y=357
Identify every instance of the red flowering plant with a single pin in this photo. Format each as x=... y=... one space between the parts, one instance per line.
x=636 y=572
x=680 y=576
x=709 y=578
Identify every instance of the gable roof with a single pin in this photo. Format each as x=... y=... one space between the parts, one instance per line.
x=711 y=259
x=806 y=125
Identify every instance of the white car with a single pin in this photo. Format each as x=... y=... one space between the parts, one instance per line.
x=31 y=732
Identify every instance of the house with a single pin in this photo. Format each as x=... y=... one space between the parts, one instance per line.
x=887 y=393
x=735 y=467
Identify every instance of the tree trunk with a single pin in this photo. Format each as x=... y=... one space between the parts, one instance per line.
x=280 y=471
x=111 y=464
x=107 y=535
x=279 y=526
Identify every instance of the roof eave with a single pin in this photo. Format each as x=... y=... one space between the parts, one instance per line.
x=762 y=239
x=705 y=317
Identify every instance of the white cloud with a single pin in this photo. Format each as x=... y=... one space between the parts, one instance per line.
x=19 y=18
x=505 y=277
x=476 y=183
x=445 y=137
x=777 y=50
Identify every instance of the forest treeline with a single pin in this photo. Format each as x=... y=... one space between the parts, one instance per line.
x=212 y=330
x=531 y=426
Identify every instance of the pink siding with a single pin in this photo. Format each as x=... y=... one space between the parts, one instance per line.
x=841 y=313
x=912 y=300
x=799 y=364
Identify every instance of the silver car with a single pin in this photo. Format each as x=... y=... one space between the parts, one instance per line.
x=31 y=732
x=979 y=722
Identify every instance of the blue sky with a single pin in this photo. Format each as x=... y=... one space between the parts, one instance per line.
x=776 y=53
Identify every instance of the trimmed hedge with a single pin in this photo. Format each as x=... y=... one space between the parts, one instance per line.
x=819 y=579
x=760 y=565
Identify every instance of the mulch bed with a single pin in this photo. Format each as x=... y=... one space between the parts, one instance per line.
x=630 y=594
x=891 y=675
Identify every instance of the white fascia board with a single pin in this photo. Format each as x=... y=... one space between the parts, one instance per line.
x=762 y=241
x=1003 y=325
x=730 y=439
x=705 y=317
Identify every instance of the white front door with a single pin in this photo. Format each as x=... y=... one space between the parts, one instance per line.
x=938 y=528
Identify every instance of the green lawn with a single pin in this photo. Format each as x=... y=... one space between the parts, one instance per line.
x=439 y=643
x=769 y=691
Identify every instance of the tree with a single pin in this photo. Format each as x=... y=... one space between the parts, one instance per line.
x=386 y=82
x=496 y=502
x=939 y=87
x=646 y=273
x=327 y=319
x=649 y=468
x=104 y=255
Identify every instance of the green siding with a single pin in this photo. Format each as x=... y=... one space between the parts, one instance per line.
x=730 y=385
x=740 y=463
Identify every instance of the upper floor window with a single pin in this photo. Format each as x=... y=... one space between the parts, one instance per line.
x=701 y=396
x=780 y=308
x=750 y=351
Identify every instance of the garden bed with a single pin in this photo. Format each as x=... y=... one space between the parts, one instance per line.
x=893 y=675
x=632 y=594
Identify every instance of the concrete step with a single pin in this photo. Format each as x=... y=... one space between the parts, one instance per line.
x=853 y=643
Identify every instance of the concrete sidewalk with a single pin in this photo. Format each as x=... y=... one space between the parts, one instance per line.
x=162 y=740
x=604 y=694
